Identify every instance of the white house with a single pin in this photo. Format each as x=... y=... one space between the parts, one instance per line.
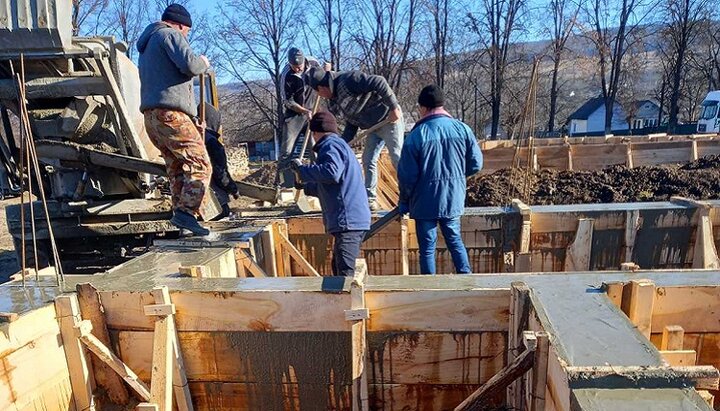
x=590 y=118
x=646 y=114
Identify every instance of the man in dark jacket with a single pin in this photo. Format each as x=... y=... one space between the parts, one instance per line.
x=221 y=182
x=364 y=101
x=298 y=98
x=167 y=68
x=437 y=157
x=336 y=180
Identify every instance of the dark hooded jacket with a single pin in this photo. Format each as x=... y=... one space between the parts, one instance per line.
x=167 y=68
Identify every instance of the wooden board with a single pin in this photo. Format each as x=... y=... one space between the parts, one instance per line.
x=420 y=397
x=694 y=308
x=462 y=310
x=234 y=311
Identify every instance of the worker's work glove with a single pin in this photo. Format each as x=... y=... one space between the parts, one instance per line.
x=232 y=188
x=295 y=165
x=403 y=208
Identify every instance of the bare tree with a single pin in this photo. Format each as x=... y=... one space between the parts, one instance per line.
x=683 y=19
x=616 y=30
x=439 y=10
x=334 y=13
x=707 y=58
x=384 y=36
x=496 y=26
x=564 y=18
x=250 y=46
x=84 y=10
x=124 y=19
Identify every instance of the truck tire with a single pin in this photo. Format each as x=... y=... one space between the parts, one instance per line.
x=43 y=253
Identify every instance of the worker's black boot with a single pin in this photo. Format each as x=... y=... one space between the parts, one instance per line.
x=188 y=222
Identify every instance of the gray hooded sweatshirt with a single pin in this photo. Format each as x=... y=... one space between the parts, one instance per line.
x=167 y=68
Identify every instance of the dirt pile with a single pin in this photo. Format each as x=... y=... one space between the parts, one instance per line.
x=698 y=179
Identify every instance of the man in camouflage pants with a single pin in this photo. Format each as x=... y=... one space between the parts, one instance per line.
x=167 y=68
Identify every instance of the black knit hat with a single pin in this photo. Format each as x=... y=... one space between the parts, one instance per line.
x=431 y=96
x=316 y=77
x=323 y=122
x=178 y=14
x=295 y=56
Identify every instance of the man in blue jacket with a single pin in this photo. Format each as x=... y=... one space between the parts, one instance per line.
x=336 y=179
x=437 y=157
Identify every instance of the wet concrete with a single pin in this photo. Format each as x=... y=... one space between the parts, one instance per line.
x=637 y=400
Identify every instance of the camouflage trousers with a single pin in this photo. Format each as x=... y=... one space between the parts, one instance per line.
x=186 y=158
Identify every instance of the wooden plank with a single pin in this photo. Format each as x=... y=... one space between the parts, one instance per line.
x=146 y=406
x=629 y=160
x=614 y=292
x=639 y=305
x=539 y=372
x=579 y=252
x=679 y=357
x=92 y=310
x=108 y=357
x=234 y=310
x=250 y=264
x=705 y=254
x=218 y=396
x=161 y=387
x=438 y=310
x=179 y=379
x=404 y=241
x=359 y=343
x=498 y=383
x=672 y=338
x=79 y=365
x=289 y=247
x=707 y=397
x=518 y=322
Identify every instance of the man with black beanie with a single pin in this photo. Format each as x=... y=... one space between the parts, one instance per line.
x=437 y=157
x=336 y=179
x=167 y=67
x=297 y=100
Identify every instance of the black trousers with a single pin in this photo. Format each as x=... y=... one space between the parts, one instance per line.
x=345 y=251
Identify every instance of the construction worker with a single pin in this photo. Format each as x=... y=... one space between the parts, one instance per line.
x=336 y=179
x=298 y=100
x=167 y=68
x=221 y=182
x=364 y=101
x=437 y=157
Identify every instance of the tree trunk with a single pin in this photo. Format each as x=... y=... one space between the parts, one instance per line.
x=554 y=94
x=609 y=103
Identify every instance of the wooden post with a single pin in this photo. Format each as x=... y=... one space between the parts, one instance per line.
x=519 y=313
x=175 y=379
x=404 y=252
x=283 y=260
x=539 y=373
x=694 y=151
x=615 y=292
x=198 y=271
x=632 y=224
x=629 y=156
x=577 y=257
x=569 y=157
x=359 y=314
x=79 y=365
x=109 y=358
x=672 y=338
x=91 y=310
x=269 y=251
x=522 y=257
x=707 y=397
x=705 y=254
x=638 y=302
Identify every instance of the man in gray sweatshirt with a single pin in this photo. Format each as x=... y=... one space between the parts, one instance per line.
x=167 y=68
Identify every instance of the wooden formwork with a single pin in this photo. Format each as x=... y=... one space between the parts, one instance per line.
x=677 y=234
x=594 y=153
x=380 y=343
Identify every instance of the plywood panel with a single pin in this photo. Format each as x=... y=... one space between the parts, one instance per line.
x=421 y=397
x=434 y=357
x=695 y=309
